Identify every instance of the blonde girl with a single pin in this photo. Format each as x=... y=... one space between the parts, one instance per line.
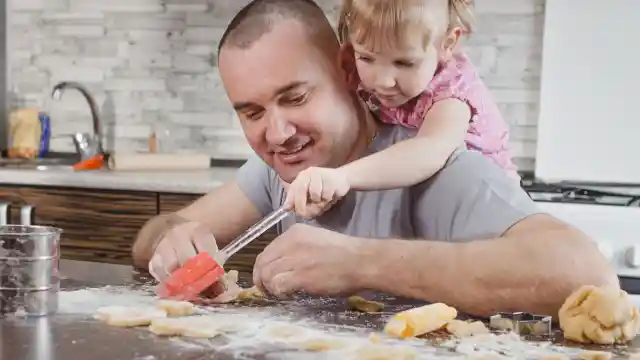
x=412 y=73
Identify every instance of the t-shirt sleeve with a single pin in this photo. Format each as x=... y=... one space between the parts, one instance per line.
x=469 y=199
x=255 y=180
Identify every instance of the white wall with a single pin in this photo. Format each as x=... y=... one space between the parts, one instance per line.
x=151 y=61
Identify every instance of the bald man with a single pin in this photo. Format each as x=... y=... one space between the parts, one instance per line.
x=469 y=237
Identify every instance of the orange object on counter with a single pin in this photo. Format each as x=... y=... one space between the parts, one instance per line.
x=96 y=162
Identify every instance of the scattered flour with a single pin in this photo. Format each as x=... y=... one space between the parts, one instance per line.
x=276 y=332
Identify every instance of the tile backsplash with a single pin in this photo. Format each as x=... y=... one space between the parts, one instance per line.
x=151 y=63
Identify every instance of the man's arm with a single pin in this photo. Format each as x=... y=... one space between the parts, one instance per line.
x=497 y=251
x=226 y=211
x=533 y=268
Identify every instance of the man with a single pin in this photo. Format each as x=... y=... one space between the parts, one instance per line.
x=468 y=237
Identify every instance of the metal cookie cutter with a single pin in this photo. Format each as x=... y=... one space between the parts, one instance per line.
x=521 y=323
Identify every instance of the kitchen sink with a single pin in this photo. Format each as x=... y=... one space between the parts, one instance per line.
x=47 y=163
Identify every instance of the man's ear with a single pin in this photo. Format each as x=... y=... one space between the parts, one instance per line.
x=450 y=42
x=347 y=63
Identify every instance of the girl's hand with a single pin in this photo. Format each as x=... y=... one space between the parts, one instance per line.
x=315 y=190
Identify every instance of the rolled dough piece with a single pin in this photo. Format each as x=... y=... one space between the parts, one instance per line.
x=461 y=328
x=176 y=308
x=380 y=352
x=367 y=306
x=419 y=321
x=595 y=355
x=326 y=344
x=286 y=331
x=201 y=326
x=123 y=316
x=251 y=293
x=601 y=315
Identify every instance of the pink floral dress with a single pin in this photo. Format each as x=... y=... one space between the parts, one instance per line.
x=457 y=79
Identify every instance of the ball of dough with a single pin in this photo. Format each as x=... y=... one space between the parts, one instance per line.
x=601 y=315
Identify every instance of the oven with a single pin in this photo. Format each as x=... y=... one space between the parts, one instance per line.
x=610 y=216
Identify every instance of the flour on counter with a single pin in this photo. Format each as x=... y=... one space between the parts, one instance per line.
x=276 y=332
x=87 y=301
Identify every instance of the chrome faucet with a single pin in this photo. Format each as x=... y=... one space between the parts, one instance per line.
x=86 y=144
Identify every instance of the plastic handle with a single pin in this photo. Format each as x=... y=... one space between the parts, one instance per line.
x=252 y=233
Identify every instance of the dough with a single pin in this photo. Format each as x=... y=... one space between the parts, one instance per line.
x=375 y=338
x=286 y=331
x=123 y=316
x=360 y=304
x=461 y=328
x=200 y=326
x=252 y=293
x=176 y=308
x=233 y=292
x=602 y=315
x=419 y=321
x=595 y=355
x=326 y=344
x=379 y=352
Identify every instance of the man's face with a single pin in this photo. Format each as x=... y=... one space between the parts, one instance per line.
x=294 y=106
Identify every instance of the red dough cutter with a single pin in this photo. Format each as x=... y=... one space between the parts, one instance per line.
x=203 y=270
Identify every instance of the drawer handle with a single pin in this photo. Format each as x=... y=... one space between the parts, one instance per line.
x=4 y=214
x=26 y=215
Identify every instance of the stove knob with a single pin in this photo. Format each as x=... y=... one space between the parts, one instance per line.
x=632 y=256
x=606 y=250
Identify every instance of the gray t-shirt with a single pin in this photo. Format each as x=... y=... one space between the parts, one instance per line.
x=470 y=198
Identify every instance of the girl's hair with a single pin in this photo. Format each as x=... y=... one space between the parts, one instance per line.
x=384 y=24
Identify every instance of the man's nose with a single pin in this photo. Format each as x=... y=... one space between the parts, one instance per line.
x=280 y=130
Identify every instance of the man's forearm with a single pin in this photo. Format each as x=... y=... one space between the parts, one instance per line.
x=486 y=276
x=150 y=235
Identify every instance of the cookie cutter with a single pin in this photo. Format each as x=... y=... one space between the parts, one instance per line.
x=521 y=323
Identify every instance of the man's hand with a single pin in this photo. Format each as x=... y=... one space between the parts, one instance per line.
x=178 y=245
x=315 y=190
x=310 y=259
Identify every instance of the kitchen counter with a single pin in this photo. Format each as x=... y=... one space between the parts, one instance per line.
x=75 y=336
x=193 y=182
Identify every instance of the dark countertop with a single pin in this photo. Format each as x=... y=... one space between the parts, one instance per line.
x=67 y=336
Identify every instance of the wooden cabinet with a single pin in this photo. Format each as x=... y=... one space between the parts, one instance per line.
x=101 y=225
x=168 y=202
x=98 y=225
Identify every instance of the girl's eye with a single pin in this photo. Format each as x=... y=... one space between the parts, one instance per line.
x=364 y=58
x=404 y=63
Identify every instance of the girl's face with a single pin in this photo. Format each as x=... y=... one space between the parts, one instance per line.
x=396 y=76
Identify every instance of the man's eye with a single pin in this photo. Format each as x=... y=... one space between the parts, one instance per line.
x=254 y=115
x=298 y=99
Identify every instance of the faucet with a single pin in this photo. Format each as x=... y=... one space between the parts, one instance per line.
x=86 y=145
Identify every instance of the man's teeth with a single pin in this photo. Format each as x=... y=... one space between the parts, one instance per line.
x=293 y=151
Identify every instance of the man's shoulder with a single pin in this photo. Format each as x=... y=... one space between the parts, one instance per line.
x=260 y=183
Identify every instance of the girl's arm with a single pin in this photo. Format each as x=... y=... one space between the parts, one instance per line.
x=417 y=159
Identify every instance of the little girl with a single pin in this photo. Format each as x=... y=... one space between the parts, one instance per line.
x=412 y=74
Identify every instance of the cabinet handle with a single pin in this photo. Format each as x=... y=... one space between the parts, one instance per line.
x=4 y=214
x=26 y=215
